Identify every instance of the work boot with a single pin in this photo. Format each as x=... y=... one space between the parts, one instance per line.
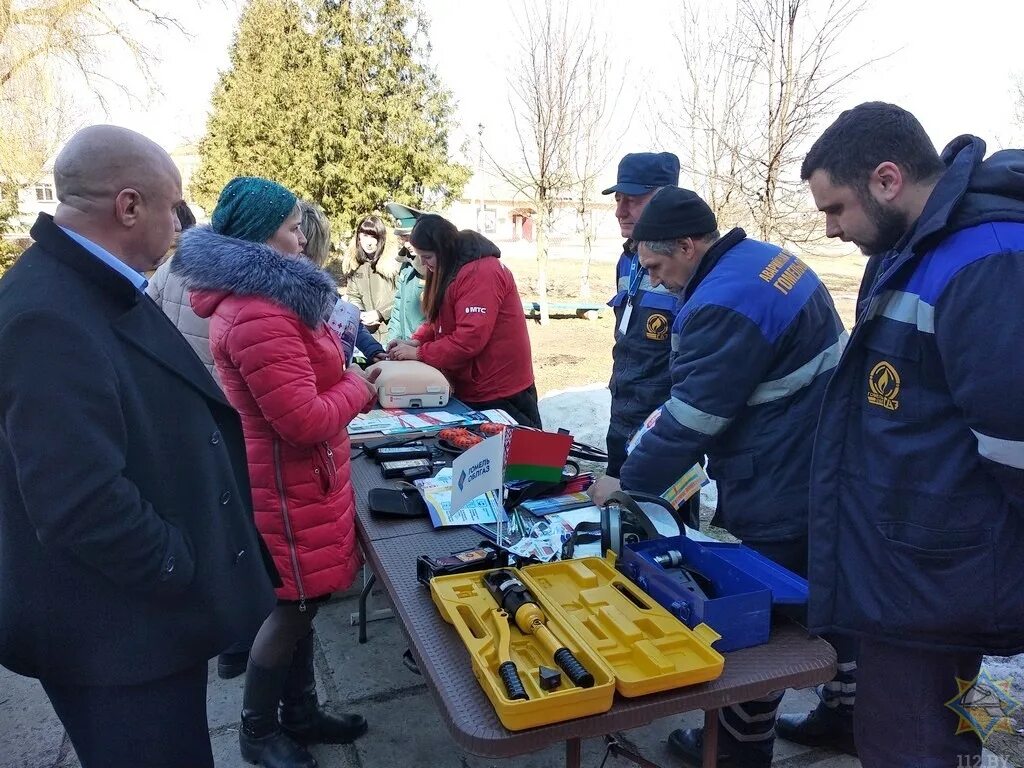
x=261 y=740
x=688 y=744
x=302 y=717
x=232 y=664
x=823 y=726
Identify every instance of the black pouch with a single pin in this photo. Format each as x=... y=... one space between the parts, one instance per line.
x=396 y=503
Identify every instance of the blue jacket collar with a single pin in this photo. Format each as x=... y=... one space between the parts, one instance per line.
x=962 y=157
x=713 y=255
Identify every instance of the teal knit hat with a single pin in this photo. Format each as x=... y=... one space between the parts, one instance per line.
x=251 y=208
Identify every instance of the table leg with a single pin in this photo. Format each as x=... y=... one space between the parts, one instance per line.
x=573 y=753
x=615 y=749
x=367 y=588
x=710 y=738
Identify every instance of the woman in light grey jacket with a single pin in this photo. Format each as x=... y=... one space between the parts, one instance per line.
x=169 y=292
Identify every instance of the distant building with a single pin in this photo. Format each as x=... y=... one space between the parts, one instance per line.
x=494 y=207
x=40 y=196
x=34 y=198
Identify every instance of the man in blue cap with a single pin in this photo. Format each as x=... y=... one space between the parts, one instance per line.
x=644 y=315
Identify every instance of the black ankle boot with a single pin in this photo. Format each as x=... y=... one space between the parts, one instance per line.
x=232 y=664
x=302 y=717
x=261 y=740
x=830 y=727
x=688 y=744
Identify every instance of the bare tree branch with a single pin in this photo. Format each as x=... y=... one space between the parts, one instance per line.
x=77 y=33
x=564 y=99
x=757 y=77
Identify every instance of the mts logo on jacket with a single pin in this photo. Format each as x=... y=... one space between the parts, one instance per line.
x=476 y=310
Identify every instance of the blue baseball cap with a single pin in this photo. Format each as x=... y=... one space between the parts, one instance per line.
x=640 y=172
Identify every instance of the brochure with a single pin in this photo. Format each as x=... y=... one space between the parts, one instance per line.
x=437 y=493
x=396 y=421
x=551 y=504
x=344 y=320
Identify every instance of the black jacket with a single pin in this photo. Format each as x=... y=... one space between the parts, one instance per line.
x=127 y=547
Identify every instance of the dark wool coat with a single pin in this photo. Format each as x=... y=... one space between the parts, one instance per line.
x=283 y=368
x=127 y=545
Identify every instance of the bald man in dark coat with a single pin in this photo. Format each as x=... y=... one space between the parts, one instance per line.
x=128 y=554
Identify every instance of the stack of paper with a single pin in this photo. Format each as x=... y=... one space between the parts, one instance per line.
x=437 y=493
x=396 y=421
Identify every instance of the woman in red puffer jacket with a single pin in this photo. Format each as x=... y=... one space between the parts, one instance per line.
x=284 y=370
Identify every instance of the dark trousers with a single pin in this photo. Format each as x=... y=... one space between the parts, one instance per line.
x=521 y=406
x=902 y=720
x=752 y=723
x=160 y=724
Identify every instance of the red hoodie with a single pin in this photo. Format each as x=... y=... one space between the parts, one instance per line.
x=479 y=339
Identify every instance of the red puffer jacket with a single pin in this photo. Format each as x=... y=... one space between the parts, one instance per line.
x=479 y=339
x=282 y=368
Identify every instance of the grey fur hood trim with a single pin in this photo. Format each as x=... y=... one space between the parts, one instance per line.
x=206 y=261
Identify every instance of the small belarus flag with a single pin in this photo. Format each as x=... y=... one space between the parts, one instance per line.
x=532 y=455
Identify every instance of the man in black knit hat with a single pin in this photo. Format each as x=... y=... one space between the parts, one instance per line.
x=754 y=340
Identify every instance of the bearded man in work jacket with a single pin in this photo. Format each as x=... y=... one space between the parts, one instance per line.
x=754 y=340
x=917 y=485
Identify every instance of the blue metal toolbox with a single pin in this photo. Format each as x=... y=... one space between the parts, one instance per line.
x=727 y=586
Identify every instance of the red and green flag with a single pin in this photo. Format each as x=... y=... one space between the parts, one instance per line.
x=532 y=455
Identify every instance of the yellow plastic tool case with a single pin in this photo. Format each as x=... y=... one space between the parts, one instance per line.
x=619 y=634
x=465 y=603
x=647 y=647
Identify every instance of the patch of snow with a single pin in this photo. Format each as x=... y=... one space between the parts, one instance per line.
x=583 y=411
x=1002 y=667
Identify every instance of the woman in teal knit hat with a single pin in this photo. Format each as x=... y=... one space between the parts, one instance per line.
x=251 y=208
x=283 y=369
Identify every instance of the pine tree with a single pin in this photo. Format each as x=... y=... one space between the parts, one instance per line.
x=267 y=106
x=337 y=102
x=398 y=143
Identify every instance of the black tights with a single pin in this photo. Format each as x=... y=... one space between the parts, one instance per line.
x=276 y=640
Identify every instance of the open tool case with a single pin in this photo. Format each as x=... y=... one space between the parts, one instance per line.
x=744 y=586
x=623 y=638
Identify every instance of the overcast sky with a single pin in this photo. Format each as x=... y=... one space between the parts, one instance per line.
x=952 y=63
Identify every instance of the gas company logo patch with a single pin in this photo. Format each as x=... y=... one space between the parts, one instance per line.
x=658 y=327
x=884 y=386
x=985 y=705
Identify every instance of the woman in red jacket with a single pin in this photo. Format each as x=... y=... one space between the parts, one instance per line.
x=476 y=329
x=283 y=370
